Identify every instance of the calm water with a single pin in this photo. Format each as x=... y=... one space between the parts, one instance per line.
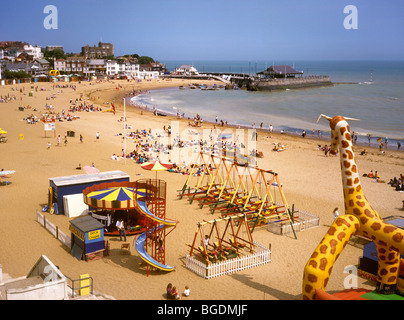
x=379 y=104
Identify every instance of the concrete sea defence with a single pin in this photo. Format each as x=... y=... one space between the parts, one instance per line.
x=293 y=83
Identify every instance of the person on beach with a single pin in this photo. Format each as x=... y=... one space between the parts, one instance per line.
x=169 y=291
x=97 y=136
x=81 y=138
x=174 y=293
x=186 y=292
x=58 y=140
x=326 y=150
x=121 y=228
x=206 y=240
x=335 y=214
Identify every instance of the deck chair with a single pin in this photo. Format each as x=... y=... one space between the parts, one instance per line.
x=125 y=248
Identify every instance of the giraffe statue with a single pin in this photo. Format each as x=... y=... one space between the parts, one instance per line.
x=359 y=219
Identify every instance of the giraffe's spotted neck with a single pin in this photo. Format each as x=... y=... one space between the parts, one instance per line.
x=341 y=138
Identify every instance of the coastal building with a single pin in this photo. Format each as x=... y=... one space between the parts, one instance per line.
x=11 y=47
x=53 y=47
x=98 y=52
x=186 y=70
x=154 y=66
x=34 y=51
x=115 y=68
x=96 y=67
x=75 y=65
x=131 y=70
x=29 y=68
x=44 y=64
x=24 y=57
x=60 y=64
x=148 y=75
x=280 y=71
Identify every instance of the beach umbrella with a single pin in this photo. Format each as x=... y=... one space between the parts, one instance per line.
x=156 y=166
x=91 y=169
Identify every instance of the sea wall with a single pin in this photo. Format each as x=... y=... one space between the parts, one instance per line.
x=294 y=83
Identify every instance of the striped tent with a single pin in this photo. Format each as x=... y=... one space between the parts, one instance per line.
x=111 y=196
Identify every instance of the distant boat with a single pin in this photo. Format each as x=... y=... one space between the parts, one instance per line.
x=229 y=87
x=181 y=87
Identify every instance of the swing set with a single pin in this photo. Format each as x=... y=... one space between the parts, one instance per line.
x=216 y=245
x=230 y=188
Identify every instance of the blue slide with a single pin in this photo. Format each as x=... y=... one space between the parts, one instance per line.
x=140 y=241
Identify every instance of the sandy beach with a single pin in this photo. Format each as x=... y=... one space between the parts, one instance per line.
x=311 y=181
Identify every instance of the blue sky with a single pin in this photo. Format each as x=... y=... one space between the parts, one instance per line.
x=214 y=29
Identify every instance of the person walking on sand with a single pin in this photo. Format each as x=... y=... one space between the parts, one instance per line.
x=121 y=228
x=81 y=138
x=335 y=214
x=97 y=136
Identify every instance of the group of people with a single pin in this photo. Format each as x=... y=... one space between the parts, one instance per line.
x=172 y=292
x=7 y=98
x=151 y=145
x=397 y=183
x=324 y=148
x=374 y=175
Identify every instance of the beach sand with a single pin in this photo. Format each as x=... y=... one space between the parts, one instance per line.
x=311 y=181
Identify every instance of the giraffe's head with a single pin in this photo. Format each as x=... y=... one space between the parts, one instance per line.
x=336 y=124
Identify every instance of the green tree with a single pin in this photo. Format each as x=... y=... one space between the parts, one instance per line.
x=145 y=60
x=16 y=74
x=57 y=53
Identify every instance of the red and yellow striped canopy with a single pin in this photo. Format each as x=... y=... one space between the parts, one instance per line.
x=156 y=166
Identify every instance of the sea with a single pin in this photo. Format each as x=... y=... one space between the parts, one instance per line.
x=370 y=91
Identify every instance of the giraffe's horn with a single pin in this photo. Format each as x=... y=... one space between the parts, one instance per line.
x=351 y=119
x=324 y=116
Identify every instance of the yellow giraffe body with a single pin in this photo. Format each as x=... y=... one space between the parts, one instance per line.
x=359 y=219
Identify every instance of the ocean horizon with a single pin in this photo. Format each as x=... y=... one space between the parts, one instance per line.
x=371 y=91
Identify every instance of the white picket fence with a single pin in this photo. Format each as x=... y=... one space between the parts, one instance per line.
x=261 y=255
x=54 y=230
x=304 y=221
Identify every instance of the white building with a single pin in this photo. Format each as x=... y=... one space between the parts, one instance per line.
x=147 y=75
x=34 y=51
x=122 y=69
x=187 y=69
